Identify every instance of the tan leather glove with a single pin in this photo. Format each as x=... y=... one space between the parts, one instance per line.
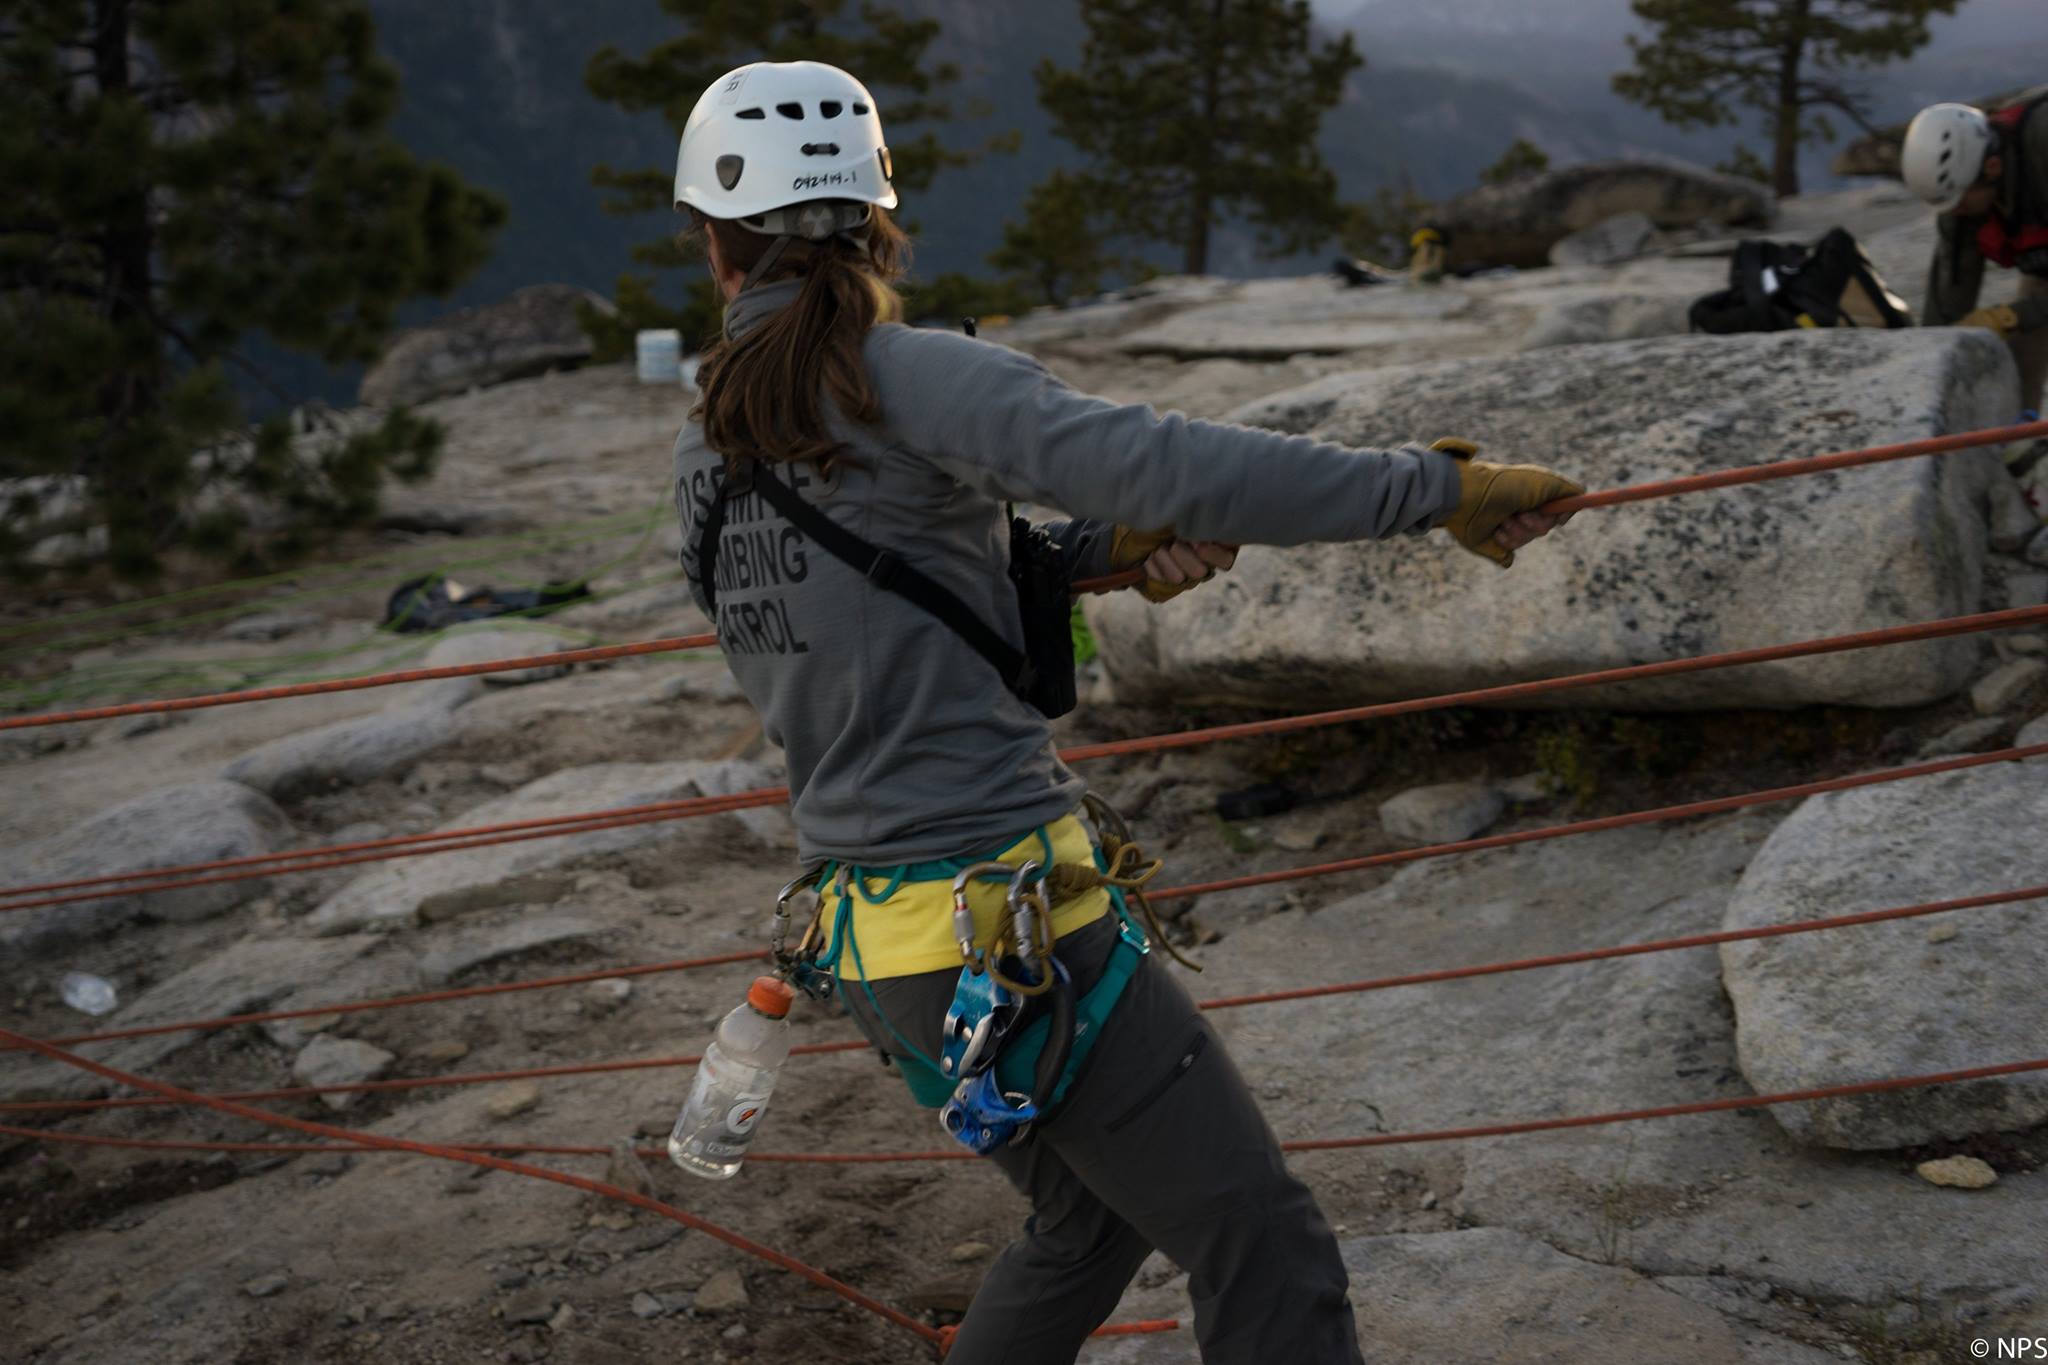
x=1488 y=494
x=1130 y=547
x=2003 y=319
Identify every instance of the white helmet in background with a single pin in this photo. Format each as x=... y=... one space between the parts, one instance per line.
x=1944 y=152
x=786 y=149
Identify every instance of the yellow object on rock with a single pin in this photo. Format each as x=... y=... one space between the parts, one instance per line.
x=2003 y=319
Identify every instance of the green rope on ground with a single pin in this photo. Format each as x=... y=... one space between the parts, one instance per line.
x=253 y=671
x=557 y=538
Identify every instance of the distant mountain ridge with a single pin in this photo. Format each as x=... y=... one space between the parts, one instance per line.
x=495 y=88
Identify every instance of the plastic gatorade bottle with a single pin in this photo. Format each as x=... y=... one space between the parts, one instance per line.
x=733 y=1083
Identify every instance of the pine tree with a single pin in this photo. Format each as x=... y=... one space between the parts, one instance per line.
x=1056 y=251
x=181 y=174
x=1523 y=157
x=1788 y=58
x=886 y=50
x=1192 y=111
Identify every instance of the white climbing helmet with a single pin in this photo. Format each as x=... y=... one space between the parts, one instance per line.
x=1944 y=152
x=788 y=149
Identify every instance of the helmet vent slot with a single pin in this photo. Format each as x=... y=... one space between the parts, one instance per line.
x=752 y=113
x=830 y=108
x=728 y=169
x=794 y=111
x=859 y=109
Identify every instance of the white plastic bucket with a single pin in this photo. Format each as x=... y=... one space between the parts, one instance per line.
x=659 y=353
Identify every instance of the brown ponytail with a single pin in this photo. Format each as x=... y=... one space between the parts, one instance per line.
x=764 y=394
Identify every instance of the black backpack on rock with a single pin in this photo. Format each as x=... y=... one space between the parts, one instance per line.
x=1777 y=286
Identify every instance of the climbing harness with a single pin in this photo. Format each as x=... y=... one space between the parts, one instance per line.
x=1016 y=1034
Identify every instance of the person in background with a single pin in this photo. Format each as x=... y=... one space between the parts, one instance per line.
x=1988 y=174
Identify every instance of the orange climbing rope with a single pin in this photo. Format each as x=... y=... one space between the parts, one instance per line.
x=391 y=1144
x=255 y=866
x=1659 y=814
x=1512 y=1129
x=1642 y=492
x=1714 y=806
x=1793 y=927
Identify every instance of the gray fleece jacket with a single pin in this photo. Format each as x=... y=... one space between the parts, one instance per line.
x=903 y=744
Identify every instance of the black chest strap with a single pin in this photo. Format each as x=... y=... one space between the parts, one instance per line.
x=883 y=568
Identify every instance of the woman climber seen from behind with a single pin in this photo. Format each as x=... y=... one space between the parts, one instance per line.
x=842 y=486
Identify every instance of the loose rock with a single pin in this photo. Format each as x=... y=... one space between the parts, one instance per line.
x=340 y=1061
x=2013 y=523
x=603 y=997
x=531 y=1309
x=190 y=822
x=1966 y=738
x=513 y=1100
x=1958 y=1173
x=645 y=1305
x=345 y=753
x=969 y=1251
x=2006 y=684
x=1610 y=241
x=263 y=1286
x=724 y=1292
x=1441 y=814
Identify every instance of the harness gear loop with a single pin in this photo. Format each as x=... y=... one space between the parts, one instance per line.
x=1127 y=872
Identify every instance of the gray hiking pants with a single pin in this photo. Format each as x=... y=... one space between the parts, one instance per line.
x=1159 y=1144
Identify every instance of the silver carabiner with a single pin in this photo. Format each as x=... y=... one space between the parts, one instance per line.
x=963 y=913
x=778 y=936
x=1024 y=900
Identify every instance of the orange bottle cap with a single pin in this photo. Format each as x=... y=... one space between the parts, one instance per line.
x=771 y=996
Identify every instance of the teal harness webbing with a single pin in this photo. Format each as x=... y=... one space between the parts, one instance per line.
x=1017 y=1064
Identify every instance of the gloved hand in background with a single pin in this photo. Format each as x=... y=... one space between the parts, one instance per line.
x=1497 y=503
x=1171 y=566
x=2002 y=318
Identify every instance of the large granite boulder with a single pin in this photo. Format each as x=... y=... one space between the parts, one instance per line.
x=534 y=331
x=1908 y=997
x=1696 y=574
x=1518 y=222
x=189 y=822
